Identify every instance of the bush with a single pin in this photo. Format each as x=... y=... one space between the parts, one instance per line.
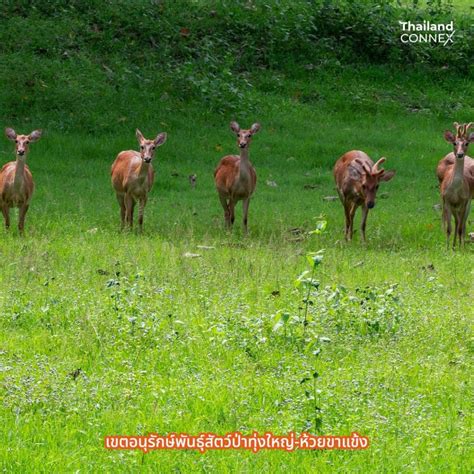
x=84 y=63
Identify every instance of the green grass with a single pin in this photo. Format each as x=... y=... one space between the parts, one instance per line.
x=169 y=344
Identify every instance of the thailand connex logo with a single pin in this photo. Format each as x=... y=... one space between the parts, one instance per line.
x=427 y=32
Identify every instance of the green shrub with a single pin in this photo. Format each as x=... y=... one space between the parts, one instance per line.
x=87 y=64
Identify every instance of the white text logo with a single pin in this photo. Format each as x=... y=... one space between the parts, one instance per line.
x=427 y=32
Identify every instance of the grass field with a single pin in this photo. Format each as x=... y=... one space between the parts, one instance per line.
x=168 y=343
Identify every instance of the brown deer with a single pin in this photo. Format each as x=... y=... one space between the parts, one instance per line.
x=16 y=181
x=357 y=180
x=235 y=177
x=460 y=145
x=456 y=183
x=132 y=177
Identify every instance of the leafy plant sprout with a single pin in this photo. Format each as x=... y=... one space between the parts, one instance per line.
x=308 y=282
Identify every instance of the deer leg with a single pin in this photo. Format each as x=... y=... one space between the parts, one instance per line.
x=141 y=209
x=6 y=215
x=21 y=219
x=232 y=212
x=459 y=227
x=121 y=201
x=129 y=204
x=456 y=228
x=365 y=213
x=460 y=233
x=245 y=206
x=447 y=224
x=347 y=220
x=131 y=214
x=352 y=210
x=464 y=221
x=444 y=218
x=225 y=206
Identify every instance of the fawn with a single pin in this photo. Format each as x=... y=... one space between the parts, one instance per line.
x=16 y=181
x=235 y=177
x=132 y=177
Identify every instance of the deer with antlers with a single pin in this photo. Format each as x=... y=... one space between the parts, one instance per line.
x=456 y=176
x=357 y=181
x=235 y=177
x=16 y=180
x=132 y=177
x=460 y=144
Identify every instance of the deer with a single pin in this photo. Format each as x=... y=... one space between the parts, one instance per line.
x=456 y=176
x=132 y=177
x=235 y=177
x=460 y=145
x=16 y=181
x=357 y=181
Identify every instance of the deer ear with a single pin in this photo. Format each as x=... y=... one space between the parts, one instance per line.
x=470 y=138
x=449 y=137
x=35 y=135
x=235 y=127
x=387 y=175
x=10 y=133
x=255 y=128
x=139 y=135
x=160 y=139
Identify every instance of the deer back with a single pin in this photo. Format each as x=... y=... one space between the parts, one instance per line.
x=125 y=172
x=348 y=173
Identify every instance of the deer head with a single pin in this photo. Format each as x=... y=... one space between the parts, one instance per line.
x=244 y=137
x=371 y=178
x=148 y=147
x=22 y=141
x=461 y=139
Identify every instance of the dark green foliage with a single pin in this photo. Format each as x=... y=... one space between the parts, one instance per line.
x=95 y=65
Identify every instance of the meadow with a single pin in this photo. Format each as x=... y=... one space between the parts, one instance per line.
x=190 y=328
x=171 y=343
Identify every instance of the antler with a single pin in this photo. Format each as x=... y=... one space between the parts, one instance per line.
x=375 y=168
x=364 y=165
x=461 y=129
x=458 y=128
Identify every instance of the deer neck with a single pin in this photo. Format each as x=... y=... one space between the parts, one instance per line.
x=458 y=175
x=244 y=168
x=19 y=172
x=143 y=170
